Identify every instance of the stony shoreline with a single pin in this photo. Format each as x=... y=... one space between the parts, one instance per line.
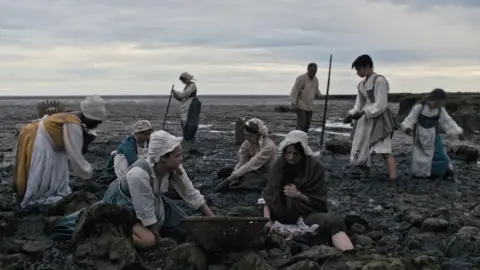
x=421 y=224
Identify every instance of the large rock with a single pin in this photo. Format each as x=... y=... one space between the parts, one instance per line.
x=239 y=137
x=304 y=265
x=103 y=239
x=252 y=260
x=186 y=256
x=465 y=242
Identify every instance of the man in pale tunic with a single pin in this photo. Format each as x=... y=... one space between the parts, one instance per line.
x=45 y=149
x=375 y=123
x=304 y=91
x=425 y=122
x=190 y=107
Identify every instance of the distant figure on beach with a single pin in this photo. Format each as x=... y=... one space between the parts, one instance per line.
x=255 y=158
x=375 y=123
x=142 y=191
x=296 y=193
x=190 y=107
x=304 y=91
x=45 y=149
x=425 y=123
x=133 y=147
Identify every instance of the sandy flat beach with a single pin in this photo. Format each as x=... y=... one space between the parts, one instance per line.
x=417 y=218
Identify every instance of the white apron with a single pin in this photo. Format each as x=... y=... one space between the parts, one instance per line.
x=48 y=178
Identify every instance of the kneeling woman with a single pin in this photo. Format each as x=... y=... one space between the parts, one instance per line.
x=297 y=189
x=141 y=191
x=255 y=158
x=131 y=148
x=425 y=121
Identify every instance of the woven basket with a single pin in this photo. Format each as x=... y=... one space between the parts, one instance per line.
x=215 y=233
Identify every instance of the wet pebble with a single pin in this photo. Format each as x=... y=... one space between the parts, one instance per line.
x=434 y=224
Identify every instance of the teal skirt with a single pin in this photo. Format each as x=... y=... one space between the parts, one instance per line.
x=440 y=159
x=63 y=228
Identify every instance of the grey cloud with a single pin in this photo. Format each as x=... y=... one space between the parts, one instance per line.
x=270 y=31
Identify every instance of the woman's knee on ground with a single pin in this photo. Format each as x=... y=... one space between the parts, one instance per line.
x=143 y=237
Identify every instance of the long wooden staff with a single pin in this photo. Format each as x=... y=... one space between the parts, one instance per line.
x=326 y=102
x=168 y=107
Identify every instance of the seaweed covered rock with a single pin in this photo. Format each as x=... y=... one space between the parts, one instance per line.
x=465 y=242
x=319 y=254
x=338 y=146
x=375 y=262
x=466 y=153
x=72 y=203
x=284 y=108
x=103 y=239
x=252 y=260
x=186 y=256
x=304 y=265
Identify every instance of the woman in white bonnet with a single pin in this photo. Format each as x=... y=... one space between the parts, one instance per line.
x=255 y=158
x=130 y=149
x=190 y=106
x=142 y=190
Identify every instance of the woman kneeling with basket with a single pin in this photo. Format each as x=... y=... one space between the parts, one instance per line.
x=296 y=192
x=142 y=189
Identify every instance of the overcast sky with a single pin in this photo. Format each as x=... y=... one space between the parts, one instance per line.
x=61 y=47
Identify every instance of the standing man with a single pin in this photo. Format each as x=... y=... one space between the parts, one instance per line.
x=375 y=123
x=304 y=91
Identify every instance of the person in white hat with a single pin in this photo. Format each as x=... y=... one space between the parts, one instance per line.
x=130 y=149
x=190 y=106
x=45 y=149
x=142 y=190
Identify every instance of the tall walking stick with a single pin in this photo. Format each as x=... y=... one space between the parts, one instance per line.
x=168 y=107
x=326 y=102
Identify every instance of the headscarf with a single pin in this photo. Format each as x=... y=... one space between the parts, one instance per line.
x=161 y=143
x=141 y=126
x=262 y=129
x=187 y=76
x=93 y=107
x=293 y=137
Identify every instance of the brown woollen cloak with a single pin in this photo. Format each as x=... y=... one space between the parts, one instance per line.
x=311 y=182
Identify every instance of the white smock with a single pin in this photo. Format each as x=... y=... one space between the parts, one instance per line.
x=361 y=150
x=424 y=138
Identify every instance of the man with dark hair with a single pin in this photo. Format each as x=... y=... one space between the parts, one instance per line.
x=304 y=91
x=375 y=124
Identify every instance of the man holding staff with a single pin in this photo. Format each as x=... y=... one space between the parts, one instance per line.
x=304 y=91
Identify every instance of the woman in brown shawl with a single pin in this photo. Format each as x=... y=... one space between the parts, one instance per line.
x=297 y=189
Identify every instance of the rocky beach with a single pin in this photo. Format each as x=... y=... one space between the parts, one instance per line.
x=417 y=224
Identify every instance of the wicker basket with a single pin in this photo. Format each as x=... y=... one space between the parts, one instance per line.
x=214 y=233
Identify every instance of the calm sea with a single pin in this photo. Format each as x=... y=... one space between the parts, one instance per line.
x=206 y=100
